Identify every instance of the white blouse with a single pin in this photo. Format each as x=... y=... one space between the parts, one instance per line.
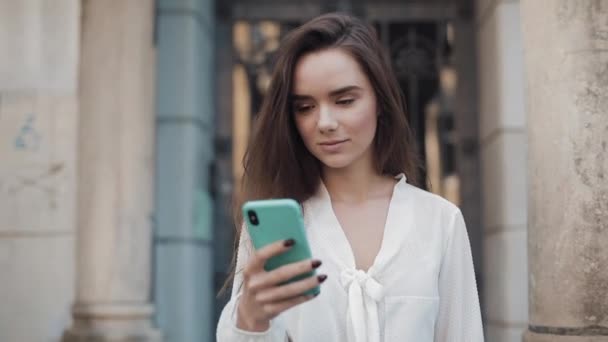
x=420 y=288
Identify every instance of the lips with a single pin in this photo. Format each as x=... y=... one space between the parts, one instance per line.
x=332 y=146
x=332 y=142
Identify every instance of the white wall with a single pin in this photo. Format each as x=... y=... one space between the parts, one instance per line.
x=503 y=160
x=38 y=112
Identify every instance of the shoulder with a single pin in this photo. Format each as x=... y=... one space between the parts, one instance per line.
x=436 y=219
x=423 y=201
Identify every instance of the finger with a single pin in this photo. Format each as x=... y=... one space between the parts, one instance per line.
x=283 y=292
x=282 y=274
x=286 y=272
x=262 y=255
x=276 y=308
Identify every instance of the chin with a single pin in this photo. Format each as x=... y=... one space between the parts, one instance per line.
x=336 y=161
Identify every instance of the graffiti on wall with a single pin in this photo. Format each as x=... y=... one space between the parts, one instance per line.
x=28 y=138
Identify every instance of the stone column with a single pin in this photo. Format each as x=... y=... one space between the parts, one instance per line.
x=183 y=244
x=115 y=173
x=39 y=47
x=566 y=58
x=502 y=138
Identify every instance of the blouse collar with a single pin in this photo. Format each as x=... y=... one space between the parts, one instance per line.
x=363 y=291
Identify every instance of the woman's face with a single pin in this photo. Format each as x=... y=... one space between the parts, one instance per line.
x=334 y=108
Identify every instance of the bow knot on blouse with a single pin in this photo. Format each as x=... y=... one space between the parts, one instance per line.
x=364 y=293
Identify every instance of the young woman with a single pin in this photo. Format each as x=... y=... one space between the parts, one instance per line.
x=393 y=261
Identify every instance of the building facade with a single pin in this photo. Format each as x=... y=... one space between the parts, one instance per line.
x=122 y=125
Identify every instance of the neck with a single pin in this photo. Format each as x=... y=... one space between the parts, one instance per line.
x=355 y=184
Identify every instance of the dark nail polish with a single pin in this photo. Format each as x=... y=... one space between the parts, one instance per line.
x=316 y=263
x=289 y=242
x=321 y=278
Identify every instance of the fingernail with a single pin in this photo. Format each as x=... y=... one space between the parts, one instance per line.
x=316 y=263
x=322 y=278
x=289 y=242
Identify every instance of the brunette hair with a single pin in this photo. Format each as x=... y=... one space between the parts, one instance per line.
x=277 y=164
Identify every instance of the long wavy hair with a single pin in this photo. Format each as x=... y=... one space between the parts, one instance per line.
x=277 y=164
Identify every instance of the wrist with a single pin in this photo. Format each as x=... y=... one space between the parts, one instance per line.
x=244 y=323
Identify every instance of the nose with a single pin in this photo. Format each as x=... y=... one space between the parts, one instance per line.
x=327 y=121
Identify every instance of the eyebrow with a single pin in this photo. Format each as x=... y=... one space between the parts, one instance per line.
x=332 y=93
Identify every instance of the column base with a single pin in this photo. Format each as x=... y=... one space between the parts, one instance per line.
x=112 y=323
x=81 y=335
x=536 y=337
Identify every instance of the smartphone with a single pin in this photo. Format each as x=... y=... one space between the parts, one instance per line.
x=273 y=220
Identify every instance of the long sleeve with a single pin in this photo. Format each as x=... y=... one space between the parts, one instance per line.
x=227 y=330
x=459 y=318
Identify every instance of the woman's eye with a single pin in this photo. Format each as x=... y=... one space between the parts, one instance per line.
x=345 y=101
x=302 y=108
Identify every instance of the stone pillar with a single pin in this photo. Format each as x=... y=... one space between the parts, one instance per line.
x=39 y=44
x=183 y=243
x=566 y=55
x=502 y=136
x=115 y=173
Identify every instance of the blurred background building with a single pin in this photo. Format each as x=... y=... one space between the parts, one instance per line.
x=123 y=124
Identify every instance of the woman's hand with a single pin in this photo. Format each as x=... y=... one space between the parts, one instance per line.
x=263 y=298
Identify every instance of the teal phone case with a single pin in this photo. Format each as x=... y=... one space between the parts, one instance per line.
x=279 y=219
